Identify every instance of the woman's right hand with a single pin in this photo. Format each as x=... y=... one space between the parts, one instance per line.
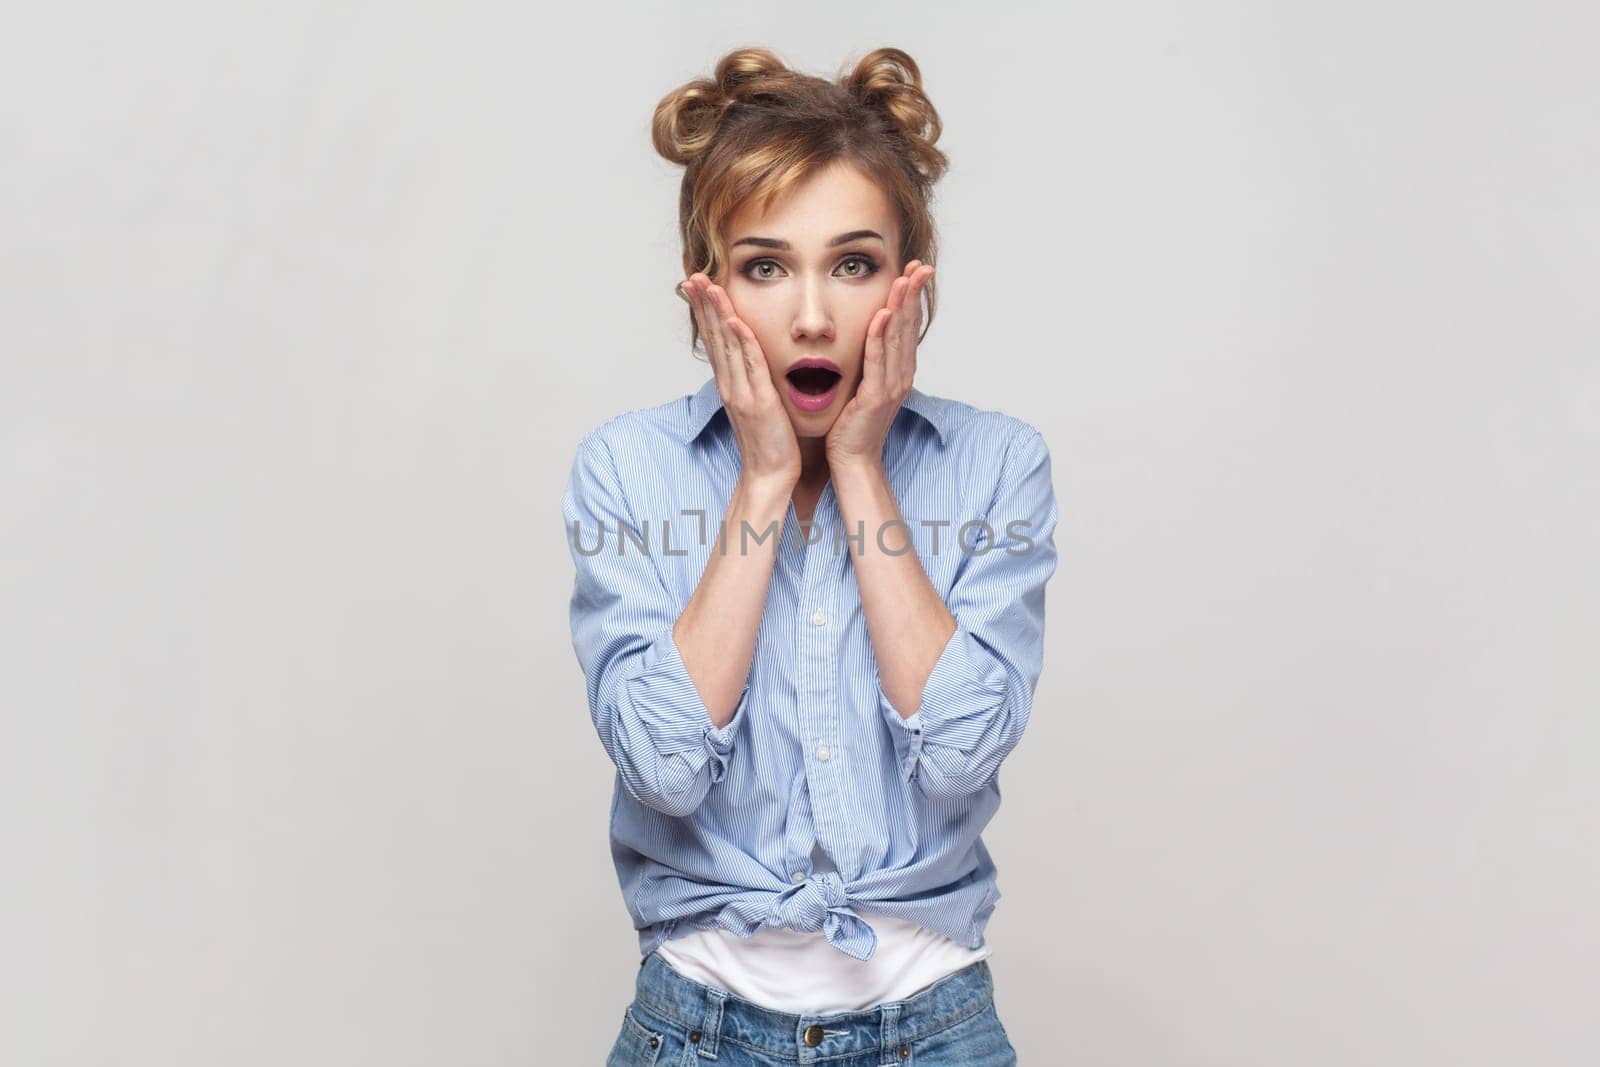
x=768 y=447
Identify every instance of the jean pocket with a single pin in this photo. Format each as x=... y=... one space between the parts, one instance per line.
x=637 y=1045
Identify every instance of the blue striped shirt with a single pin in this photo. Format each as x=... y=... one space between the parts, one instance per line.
x=715 y=827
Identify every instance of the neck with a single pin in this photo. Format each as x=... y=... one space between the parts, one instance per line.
x=813 y=460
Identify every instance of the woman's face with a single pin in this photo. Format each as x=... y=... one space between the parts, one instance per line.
x=806 y=293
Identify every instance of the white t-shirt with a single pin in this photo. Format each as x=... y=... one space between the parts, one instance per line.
x=799 y=972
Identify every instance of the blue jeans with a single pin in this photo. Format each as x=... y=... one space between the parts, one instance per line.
x=675 y=1021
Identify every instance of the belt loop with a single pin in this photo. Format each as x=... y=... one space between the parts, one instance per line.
x=711 y=1023
x=891 y=1031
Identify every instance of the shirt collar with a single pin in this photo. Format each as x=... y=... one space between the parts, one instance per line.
x=707 y=401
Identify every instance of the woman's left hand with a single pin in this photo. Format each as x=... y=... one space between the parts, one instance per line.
x=889 y=365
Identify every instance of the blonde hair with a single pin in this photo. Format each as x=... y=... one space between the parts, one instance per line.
x=755 y=129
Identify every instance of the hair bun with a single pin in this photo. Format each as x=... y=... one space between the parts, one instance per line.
x=889 y=80
x=743 y=68
x=686 y=119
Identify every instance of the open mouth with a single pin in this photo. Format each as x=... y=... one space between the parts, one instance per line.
x=813 y=381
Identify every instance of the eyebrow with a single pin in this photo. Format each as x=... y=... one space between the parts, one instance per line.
x=785 y=246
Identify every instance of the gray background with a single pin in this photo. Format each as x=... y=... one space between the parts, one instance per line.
x=306 y=306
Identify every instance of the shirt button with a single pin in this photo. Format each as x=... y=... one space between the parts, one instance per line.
x=822 y=751
x=819 y=619
x=797 y=877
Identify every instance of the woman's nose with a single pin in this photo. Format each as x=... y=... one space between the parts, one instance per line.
x=812 y=318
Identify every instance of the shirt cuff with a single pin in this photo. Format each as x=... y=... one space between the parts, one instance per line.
x=678 y=720
x=964 y=687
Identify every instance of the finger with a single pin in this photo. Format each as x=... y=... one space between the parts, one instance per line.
x=690 y=289
x=884 y=322
x=919 y=282
x=742 y=346
x=902 y=342
x=875 y=355
x=916 y=333
x=705 y=315
x=893 y=343
x=755 y=361
x=908 y=313
x=893 y=329
x=897 y=293
x=910 y=276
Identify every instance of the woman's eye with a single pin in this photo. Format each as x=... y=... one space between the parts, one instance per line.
x=867 y=266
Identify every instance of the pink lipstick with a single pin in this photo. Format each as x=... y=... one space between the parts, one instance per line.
x=813 y=383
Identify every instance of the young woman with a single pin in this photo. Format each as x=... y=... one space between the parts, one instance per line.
x=809 y=602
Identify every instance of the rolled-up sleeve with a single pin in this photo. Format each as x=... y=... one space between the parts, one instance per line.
x=976 y=703
x=645 y=706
